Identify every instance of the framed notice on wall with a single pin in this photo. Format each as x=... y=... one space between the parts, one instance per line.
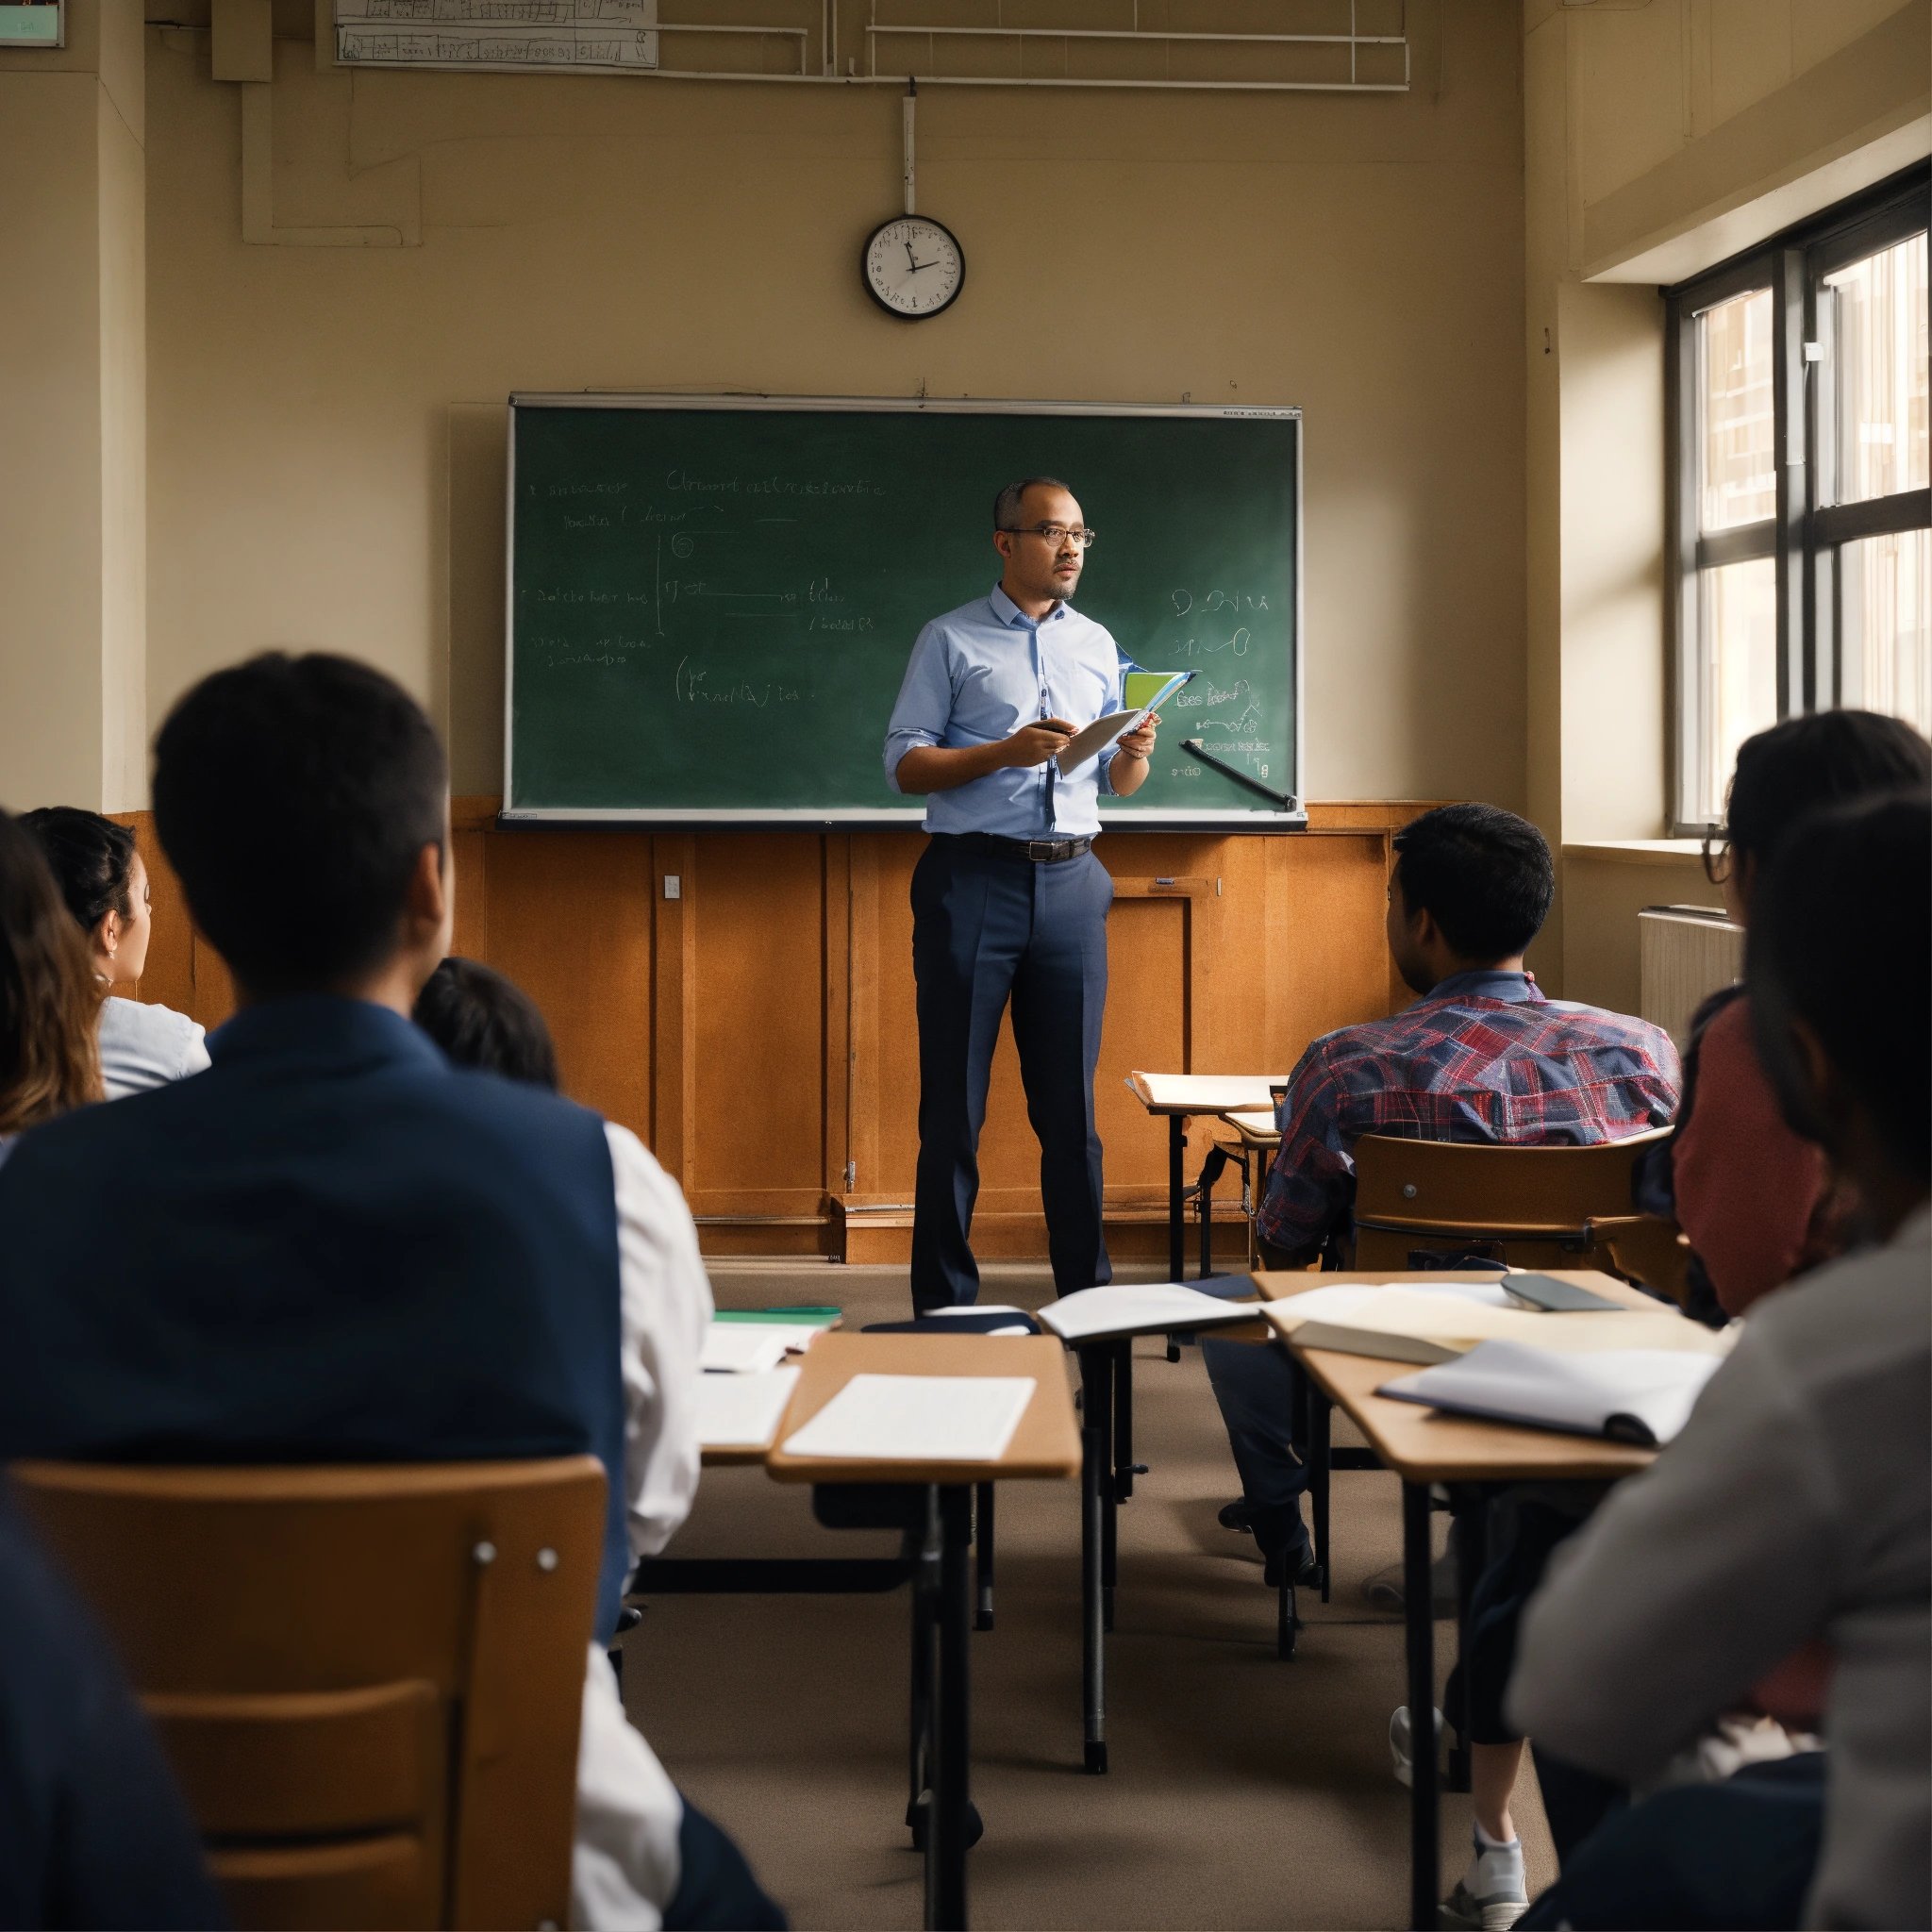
x=33 y=23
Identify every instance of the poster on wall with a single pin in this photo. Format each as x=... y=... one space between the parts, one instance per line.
x=500 y=35
x=33 y=23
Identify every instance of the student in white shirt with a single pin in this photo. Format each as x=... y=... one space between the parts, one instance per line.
x=1797 y=1504
x=105 y=883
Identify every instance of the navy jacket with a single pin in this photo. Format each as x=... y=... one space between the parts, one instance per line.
x=331 y=1246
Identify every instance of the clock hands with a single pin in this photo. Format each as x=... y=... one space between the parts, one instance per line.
x=915 y=262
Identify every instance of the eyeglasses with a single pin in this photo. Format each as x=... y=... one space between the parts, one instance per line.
x=1717 y=855
x=1054 y=533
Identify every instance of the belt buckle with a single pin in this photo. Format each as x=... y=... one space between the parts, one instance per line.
x=1038 y=850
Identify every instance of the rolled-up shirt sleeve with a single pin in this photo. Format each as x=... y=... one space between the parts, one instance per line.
x=926 y=702
x=1311 y=1183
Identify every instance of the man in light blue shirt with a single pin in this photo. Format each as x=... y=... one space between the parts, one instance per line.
x=1008 y=899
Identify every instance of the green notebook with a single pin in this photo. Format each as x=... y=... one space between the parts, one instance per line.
x=815 y=1317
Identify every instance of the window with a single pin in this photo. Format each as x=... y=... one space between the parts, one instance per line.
x=1801 y=513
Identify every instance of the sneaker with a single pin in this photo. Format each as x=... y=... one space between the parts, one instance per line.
x=1495 y=1911
x=1401 y=1746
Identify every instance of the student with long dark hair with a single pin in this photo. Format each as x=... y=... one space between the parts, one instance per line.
x=103 y=881
x=47 y=1061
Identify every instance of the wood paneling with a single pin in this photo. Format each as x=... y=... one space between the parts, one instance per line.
x=759 y=1030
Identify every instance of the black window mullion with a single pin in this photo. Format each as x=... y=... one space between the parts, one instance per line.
x=1872 y=516
x=1745 y=545
x=1788 y=446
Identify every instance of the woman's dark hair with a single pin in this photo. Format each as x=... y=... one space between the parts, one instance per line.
x=293 y=797
x=1481 y=873
x=482 y=1019
x=49 y=1007
x=1806 y=764
x=91 y=860
x=1841 y=938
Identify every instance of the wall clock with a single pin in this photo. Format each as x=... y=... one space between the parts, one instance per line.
x=913 y=267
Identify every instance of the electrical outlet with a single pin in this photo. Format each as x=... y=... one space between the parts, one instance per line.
x=673 y=886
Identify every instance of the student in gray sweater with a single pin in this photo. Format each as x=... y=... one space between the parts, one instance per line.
x=1798 y=1502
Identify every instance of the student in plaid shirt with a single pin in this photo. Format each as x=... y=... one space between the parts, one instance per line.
x=1481 y=1056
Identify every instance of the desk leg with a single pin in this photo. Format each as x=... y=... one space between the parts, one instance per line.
x=1321 y=1467
x=1176 y=1191
x=1096 y=1374
x=982 y=1542
x=1125 y=1467
x=925 y=1596
x=1418 y=1614
x=945 y=1867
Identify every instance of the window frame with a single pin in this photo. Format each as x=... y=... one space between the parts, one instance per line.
x=1807 y=527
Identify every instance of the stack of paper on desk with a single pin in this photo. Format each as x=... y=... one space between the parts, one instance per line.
x=749 y=1348
x=1434 y=1323
x=918 y=1418
x=743 y=1412
x=1140 y=1308
x=1641 y=1395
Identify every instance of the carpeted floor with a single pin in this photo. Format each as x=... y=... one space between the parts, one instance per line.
x=1244 y=1792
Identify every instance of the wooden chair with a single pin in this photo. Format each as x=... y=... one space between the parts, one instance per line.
x=368 y=1679
x=1532 y=1207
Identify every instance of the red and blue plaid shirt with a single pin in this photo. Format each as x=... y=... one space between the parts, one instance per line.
x=1484 y=1058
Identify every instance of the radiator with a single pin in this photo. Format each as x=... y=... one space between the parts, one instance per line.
x=1684 y=954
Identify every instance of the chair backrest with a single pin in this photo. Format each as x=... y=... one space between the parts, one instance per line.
x=369 y=1679
x=1533 y=1206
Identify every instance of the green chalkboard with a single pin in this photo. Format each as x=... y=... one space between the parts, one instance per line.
x=712 y=600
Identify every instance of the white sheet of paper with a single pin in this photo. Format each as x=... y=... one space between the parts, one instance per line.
x=1345 y=1303
x=918 y=1418
x=1438 y=1313
x=1140 y=1308
x=742 y=1348
x=743 y=1412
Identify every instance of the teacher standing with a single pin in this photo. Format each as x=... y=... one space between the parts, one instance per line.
x=1007 y=898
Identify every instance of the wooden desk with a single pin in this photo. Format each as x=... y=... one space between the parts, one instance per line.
x=1180 y=1096
x=1423 y=1447
x=1044 y=1446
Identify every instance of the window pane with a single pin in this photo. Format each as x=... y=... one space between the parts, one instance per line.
x=1885 y=595
x=1879 y=346
x=1738 y=622
x=1738 y=479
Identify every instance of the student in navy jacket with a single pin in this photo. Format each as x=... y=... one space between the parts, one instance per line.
x=333 y=1245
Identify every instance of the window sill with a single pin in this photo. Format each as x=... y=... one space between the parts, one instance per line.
x=1639 y=851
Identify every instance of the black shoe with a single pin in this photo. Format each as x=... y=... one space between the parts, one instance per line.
x=1238 y=1516
x=1275 y=1568
x=917 y=1812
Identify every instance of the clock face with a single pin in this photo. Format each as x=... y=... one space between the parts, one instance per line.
x=912 y=267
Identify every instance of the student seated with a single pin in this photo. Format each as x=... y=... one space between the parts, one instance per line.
x=482 y=1019
x=1482 y=1056
x=1757 y=1203
x=92 y=1829
x=48 y=1059
x=344 y=1249
x=1797 y=1503
x=105 y=883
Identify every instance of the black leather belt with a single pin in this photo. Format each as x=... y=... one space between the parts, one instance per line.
x=1041 y=851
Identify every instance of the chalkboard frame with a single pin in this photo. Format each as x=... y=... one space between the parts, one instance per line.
x=1292 y=818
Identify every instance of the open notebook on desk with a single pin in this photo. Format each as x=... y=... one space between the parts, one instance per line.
x=1095 y=1314
x=1638 y=1395
x=743 y=1412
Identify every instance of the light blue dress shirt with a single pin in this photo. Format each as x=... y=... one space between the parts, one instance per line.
x=978 y=674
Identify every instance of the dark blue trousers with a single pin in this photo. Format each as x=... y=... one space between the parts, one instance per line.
x=986 y=928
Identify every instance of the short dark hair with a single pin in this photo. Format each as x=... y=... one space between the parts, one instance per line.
x=1841 y=937
x=292 y=796
x=482 y=1019
x=1806 y=764
x=91 y=860
x=1011 y=504
x=1481 y=873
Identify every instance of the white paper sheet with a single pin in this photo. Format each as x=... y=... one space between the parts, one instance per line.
x=742 y=1348
x=918 y=1418
x=743 y=1412
x=1140 y=1309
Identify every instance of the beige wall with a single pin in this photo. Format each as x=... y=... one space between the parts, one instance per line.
x=72 y=416
x=1660 y=137
x=320 y=457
